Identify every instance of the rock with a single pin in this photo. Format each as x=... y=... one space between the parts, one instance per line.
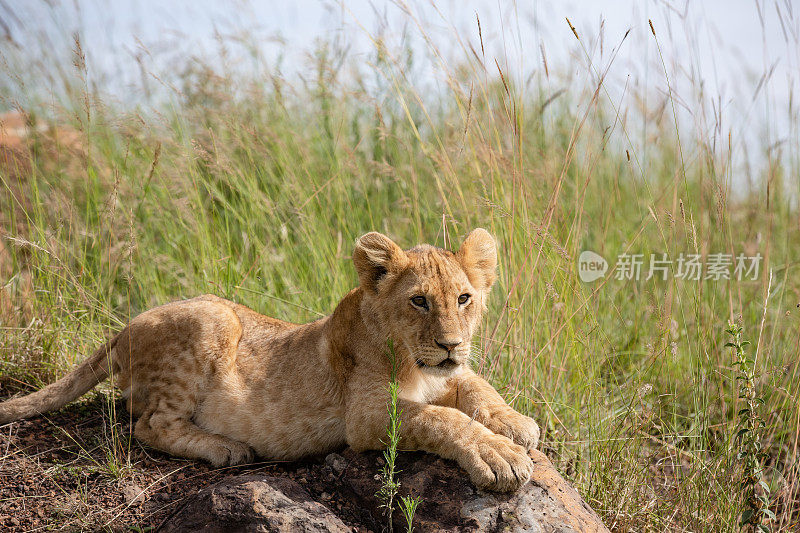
x=450 y=502
x=336 y=462
x=254 y=503
x=133 y=494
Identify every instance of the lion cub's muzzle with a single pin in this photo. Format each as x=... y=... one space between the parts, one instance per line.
x=442 y=361
x=447 y=363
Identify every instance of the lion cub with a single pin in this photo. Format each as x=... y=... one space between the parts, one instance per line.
x=208 y=378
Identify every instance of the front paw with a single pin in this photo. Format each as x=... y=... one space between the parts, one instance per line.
x=495 y=463
x=520 y=428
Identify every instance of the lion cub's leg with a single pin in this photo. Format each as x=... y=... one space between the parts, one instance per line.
x=168 y=359
x=474 y=396
x=172 y=430
x=492 y=461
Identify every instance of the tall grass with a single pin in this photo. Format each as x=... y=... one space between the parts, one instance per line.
x=255 y=188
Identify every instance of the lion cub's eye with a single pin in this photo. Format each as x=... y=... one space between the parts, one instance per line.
x=420 y=301
x=464 y=298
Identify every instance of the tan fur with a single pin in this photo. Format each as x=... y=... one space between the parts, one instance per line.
x=208 y=378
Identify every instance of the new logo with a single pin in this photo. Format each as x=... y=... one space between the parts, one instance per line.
x=591 y=266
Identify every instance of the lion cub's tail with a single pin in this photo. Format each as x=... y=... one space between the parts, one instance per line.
x=88 y=374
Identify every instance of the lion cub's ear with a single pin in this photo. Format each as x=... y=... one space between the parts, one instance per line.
x=478 y=257
x=375 y=256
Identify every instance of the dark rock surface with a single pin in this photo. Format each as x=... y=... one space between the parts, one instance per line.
x=450 y=502
x=254 y=503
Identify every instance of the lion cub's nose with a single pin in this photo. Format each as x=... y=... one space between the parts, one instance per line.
x=447 y=344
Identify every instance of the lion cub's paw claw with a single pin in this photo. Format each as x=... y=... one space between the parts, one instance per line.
x=241 y=455
x=232 y=453
x=521 y=429
x=498 y=464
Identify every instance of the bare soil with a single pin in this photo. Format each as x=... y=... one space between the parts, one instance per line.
x=74 y=471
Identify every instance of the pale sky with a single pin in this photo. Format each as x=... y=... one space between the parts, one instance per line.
x=726 y=45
